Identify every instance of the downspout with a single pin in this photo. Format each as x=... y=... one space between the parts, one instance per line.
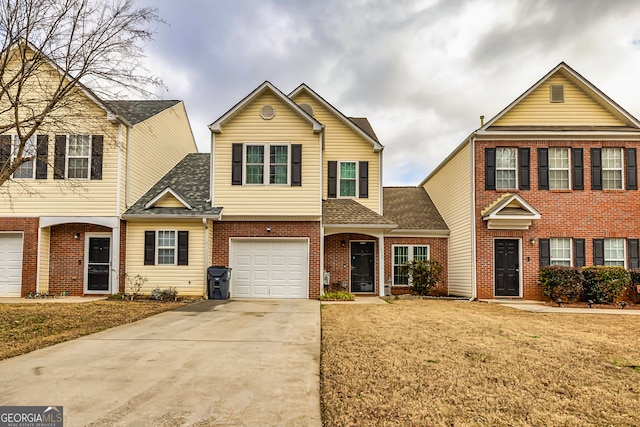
x=212 y=167
x=474 y=287
x=321 y=176
x=127 y=169
x=207 y=258
x=119 y=173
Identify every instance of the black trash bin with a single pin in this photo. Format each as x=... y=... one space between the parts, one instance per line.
x=218 y=278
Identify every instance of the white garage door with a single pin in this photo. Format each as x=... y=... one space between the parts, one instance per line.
x=269 y=268
x=10 y=264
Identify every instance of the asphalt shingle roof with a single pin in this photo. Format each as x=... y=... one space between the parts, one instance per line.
x=363 y=123
x=348 y=211
x=412 y=209
x=138 y=111
x=190 y=180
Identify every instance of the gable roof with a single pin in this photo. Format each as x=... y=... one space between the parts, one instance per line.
x=137 y=111
x=336 y=212
x=582 y=83
x=412 y=209
x=216 y=126
x=189 y=181
x=509 y=206
x=359 y=125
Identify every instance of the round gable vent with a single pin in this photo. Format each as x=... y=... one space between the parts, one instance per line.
x=267 y=112
x=307 y=109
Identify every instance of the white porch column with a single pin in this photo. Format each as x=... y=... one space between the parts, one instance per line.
x=115 y=259
x=381 y=265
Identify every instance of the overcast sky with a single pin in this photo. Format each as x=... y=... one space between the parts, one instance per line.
x=421 y=71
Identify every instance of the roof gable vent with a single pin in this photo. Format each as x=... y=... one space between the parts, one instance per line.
x=557 y=93
x=307 y=109
x=267 y=112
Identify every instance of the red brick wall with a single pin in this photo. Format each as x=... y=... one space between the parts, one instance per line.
x=66 y=257
x=223 y=231
x=29 y=226
x=587 y=214
x=337 y=261
x=438 y=252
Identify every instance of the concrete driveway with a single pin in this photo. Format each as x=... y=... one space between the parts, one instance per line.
x=244 y=363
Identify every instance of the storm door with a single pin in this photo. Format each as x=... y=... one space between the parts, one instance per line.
x=507 y=268
x=98 y=263
x=363 y=268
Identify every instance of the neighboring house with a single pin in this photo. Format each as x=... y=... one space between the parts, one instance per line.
x=60 y=219
x=293 y=191
x=551 y=180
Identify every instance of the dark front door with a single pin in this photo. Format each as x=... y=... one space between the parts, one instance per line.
x=363 y=267
x=98 y=264
x=507 y=261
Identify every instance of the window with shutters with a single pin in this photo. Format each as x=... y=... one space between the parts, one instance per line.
x=348 y=182
x=560 y=251
x=274 y=159
x=559 y=168
x=506 y=168
x=166 y=247
x=614 y=252
x=26 y=170
x=612 y=168
x=401 y=255
x=78 y=156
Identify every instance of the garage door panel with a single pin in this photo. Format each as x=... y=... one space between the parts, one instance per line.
x=269 y=268
x=10 y=264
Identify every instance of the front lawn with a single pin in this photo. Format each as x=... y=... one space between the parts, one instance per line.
x=452 y=363
x=28 y=327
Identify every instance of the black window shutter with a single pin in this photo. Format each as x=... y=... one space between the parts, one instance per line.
x=5 y=152
x=42 y=156
x=363 y=183
x=632 y=169
x=634 y=253
x=296 y=165
x=577 y=169
x=598 y=251
x=149 y=247
x=332 y=179
x=489 y=168
x=183 y=248
x=596 y=169
x=236 y=164
x=97 y=148
x=59 y=157
x=524 y=154
x=579 y=254
x=545 y=252
x=543 y=168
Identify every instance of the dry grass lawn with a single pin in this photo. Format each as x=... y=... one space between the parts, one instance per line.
x=452 y=363
x=28 y=327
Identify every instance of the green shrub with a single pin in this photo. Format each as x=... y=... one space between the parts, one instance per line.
x=603 y=285
x=561 y=282
x=423 y=275
x=632 y=289
x=337 y=296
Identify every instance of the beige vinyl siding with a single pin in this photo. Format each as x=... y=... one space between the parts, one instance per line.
x=169 y=202
x=189 y=280
x=150 y=161
x=43 y=274
x=287 y=126
x=578 y=108
x=450 y=190
x=343 y=144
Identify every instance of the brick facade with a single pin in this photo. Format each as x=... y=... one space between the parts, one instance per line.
x=438 y=252
x=224 y=230
x=583 y=214
x=29 y=228
x=337 y=262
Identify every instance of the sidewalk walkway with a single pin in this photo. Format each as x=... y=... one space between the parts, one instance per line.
x=539 y=307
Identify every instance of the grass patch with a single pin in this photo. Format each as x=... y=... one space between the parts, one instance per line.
x=443 y=363
x=28 y=327
x=337 y=296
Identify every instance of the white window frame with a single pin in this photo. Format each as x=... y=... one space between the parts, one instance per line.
x=266 y=165
x=560 y=260
x=410 y=256
x=357 y=189
x=615 y=261
x=68 y=157
x=174 y=247
x=15 y=143
x=514 y=169
x=554 y=168
x=607 y=169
